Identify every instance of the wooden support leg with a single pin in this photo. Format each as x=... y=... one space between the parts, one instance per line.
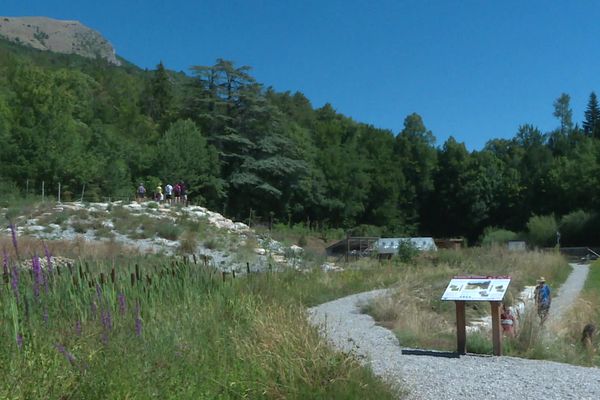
x=461 y=328
x=496 y=328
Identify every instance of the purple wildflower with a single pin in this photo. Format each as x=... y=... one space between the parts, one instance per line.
x=78 y=328
x=19 y=341
x=104 y=338
x=14 y=282
x=13 y=232
x=62 y=350
x=5 y=261
x=5 y=273
x=45 y=315
x=38 y=278
x=48 y=258
x=106 y=319
x=138 y=320
x=122 y=303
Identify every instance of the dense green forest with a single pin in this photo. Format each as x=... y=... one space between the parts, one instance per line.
x=243 y=148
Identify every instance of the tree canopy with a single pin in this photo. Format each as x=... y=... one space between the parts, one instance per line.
x=241 y=148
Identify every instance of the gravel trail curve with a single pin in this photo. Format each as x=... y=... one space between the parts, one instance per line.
x=430 y=377
x=566 y=296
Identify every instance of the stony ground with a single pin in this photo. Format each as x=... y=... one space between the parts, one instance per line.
x=223 y=240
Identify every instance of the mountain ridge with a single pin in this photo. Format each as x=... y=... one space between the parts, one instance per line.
x=58 y=36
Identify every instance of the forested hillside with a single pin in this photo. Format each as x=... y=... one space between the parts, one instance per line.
x=244 y=148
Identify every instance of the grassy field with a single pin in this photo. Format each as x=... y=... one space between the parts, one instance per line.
x=171 y=329
x=420 y=319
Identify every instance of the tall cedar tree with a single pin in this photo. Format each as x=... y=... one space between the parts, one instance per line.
x=591 y=123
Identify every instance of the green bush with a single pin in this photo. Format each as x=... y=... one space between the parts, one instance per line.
x=407 y=251
x=492 y=235
x=542 y=230
x=168 y=230
x=575 y=227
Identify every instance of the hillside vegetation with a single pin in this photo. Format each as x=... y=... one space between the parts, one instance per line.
x=249 y=151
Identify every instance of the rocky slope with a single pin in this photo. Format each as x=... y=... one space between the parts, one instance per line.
x=152 y=228
x=69 y=37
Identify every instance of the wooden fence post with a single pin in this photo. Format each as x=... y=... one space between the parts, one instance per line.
x=461 y=328
x=496 y=328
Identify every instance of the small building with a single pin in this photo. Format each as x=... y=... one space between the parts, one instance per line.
x=516 y=245
x=451 y=244
x=352 y=246
x=391 y=245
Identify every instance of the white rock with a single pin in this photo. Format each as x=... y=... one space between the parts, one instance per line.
x=108 y=224
x=166 y=242
x=240 y=227
x=260 y=251
x=296 y=249
x=35 y=228
x=278 y=259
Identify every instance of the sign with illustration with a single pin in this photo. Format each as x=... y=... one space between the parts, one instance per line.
x=477 y=288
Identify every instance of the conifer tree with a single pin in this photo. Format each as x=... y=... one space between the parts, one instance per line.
x=591 y=123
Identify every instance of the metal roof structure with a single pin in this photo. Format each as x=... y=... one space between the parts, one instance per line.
x=391 y=245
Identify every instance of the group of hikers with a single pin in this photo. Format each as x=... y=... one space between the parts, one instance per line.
x=542 y=298
x=169 y=194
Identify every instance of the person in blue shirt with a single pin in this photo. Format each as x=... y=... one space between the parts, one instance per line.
x=543 y=299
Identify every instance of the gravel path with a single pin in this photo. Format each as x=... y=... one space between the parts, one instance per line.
x=430 y=377
x=566 y=296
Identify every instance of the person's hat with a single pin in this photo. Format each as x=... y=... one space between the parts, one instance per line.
x=542 y=279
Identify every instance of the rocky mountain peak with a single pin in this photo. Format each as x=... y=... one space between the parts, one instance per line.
x=60 y=36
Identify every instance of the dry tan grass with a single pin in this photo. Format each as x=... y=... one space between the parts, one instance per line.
x=415 y=311
x=78 y=248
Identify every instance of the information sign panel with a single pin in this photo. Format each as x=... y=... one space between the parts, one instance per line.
x=477 y=288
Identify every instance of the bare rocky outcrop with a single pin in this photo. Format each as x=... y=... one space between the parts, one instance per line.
x=68 y=37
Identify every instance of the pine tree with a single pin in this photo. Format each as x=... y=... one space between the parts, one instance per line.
x=591 y=123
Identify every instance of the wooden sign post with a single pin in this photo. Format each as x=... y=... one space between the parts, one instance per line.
x=477 y=288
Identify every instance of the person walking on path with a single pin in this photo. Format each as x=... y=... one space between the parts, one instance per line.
x=543 y=299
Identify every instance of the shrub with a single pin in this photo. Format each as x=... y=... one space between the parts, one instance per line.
x=168 y=230
x=189 y=242
x=302 y=241
x=492 y=235
x=574 y=228
x=211 y=243
x=407 y=251
x=542 y=230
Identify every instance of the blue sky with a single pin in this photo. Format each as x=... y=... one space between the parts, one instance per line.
x=475 y=70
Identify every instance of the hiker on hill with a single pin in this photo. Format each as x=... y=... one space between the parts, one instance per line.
x=177 y=193
x=140 y=193
x=168 y=193
x=158 y=194
x=543 y=299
